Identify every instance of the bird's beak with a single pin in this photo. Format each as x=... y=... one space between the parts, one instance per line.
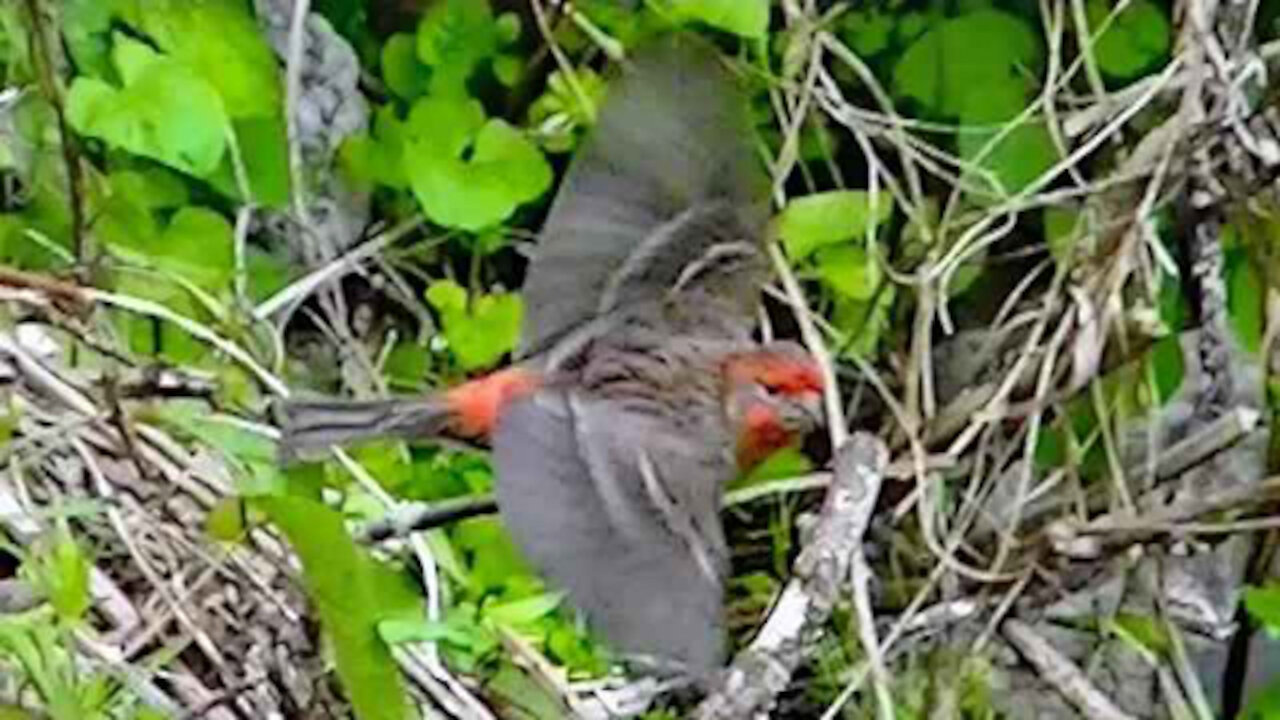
x=814 y=408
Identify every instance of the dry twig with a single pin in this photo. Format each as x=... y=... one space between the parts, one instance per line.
x=822 y=572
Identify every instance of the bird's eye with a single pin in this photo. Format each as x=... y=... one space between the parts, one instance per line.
x=770 y=389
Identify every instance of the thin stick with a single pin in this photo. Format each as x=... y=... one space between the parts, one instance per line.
x=761 y=672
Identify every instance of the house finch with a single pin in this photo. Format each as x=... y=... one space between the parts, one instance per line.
x=639 y=391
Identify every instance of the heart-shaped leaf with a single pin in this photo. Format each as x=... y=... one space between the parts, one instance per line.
x=1135 y=41
x=220 y=41
x=479 y=331
x=403 y=72
x=455 y=36
x=967 y=55
x=165 y=111
x=504 y=169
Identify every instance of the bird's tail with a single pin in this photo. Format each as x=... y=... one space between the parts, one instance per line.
x=308 y=427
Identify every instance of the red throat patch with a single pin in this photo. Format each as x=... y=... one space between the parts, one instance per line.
x=762 y=435
x=476 y=405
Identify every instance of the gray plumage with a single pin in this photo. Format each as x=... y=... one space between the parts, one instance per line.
x=646 y=277
x=620 y=509
x=308 y=427
x=667 y=173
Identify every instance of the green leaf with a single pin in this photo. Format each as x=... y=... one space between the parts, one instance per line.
x=966 y=56
x=517 y=613
x=466 y=172
x=494 y=559
x=1264 y=703
x=221 y=42
x=465 y=640
x=132 y=58
x=448 y=297
x=508 y=69
x=1175 y=308
x=454 y=38
x=264 y=145
x=849 y=270
x=404 y=73
x=362 y=506
x=407 y=365
x=527 y=697
x=164 y=111
x=507 y=28
x=439 y=474
x=251 y=456
x=15 y=712
x=264 y=149
x=1263 y=603
x=364 y=161
x=1136 y=41
x=86 y=27
x=150 y=188
x=353 y=594
x=60 y=570
x=503 y=153
x=1245 y=300
x=199 y=246
x=912 y=24
x=1144 y=631
x=39 y=235
x=814 y=221
x=412 y=630
x=1021 y=155
x=385 y=461
x=748 y=18
x=68 y=590
x=9 y=416
x=126 y=216
x=226 y=521
x=867 y=30
x=785 y=463
x=576 y=651
x=560 y=112
x=377 y=159
x=479 y=331
x=864 y=320
x=1063 y=229
x=445 y=125
x=147 y=336
x=504 y=171
x=236 y=443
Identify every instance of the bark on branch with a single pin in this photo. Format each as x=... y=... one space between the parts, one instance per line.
x=750 y=686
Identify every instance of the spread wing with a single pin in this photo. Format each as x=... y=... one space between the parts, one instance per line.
x=667 y=174
x=630 y=530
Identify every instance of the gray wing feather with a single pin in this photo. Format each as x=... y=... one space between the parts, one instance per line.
x=670 y=157
x=641 y=554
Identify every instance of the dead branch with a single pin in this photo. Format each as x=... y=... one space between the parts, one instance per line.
x=1057 y=670
x=749 y=688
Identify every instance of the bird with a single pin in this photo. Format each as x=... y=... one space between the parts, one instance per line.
x=637 y=390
